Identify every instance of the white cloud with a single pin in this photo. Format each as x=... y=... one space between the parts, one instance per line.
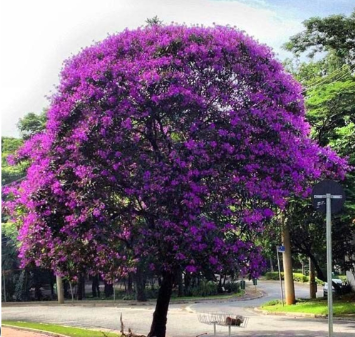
x=38 y=35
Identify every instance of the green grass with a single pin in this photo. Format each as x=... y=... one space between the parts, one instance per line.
x=212 y=297
x=64 y=330
x=317 y=307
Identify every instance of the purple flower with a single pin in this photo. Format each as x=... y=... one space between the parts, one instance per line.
x=191 y=269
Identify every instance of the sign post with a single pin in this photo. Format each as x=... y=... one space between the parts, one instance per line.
x=328 y=190
x=282 y=250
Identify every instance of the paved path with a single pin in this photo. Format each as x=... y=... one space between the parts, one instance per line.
x=182 y=318
x=9 y=332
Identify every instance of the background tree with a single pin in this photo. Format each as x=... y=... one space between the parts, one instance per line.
x=10 y=173
x=154 y=21
x=329 y=90
x=28 y=126
x=169 y=143
x=17 y=282
x=32 y=124
x=333 y=34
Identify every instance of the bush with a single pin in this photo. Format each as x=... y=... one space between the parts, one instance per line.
x=273 y=275
x=297 y=277
x=272 y=302
x=129 y=297
x=233 y=287
x=205 y=289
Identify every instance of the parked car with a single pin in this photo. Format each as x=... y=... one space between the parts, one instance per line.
x=334 y=280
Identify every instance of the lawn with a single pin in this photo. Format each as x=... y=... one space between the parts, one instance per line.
x=64 y=330
x=211 y=297
x=341 y=307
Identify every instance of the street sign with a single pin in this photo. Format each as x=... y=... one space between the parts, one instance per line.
x=281 y=249
x=319 y=197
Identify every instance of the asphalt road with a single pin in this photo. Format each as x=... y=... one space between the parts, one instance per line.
x=183 y=319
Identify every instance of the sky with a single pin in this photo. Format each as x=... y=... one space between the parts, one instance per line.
x=37 y=36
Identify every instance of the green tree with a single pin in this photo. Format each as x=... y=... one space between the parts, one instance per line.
x=32 y=123
x=28 y=126
x=335 y=34
x=17 y=282
x=330 y=101
x=9 y=260
x=153 y=21
x=10 y=173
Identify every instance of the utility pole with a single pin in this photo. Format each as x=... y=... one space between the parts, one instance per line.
x=287 y=263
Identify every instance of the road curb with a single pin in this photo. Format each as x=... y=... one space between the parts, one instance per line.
x=237 y=299
x=250 y=295
x=301 y=315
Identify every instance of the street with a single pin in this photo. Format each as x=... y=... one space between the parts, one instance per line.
x=183 y=318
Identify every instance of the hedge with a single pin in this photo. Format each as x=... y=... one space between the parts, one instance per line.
x=297 y=277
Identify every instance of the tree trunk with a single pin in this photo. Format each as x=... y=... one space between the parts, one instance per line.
x=140 y=285
x=303 y=268
x=38 y=292
x=130 y=284
x=219 y=287
x=312 y=280
x=51 y=285
x=60 y=290
x=108 y=289
x=187 y=280
x=66 y=286
x=319 y=271
x=158 y=328
x=81 y=287
x=95 y=287
x=271 y=265
x=180 y=284
x=287 y=262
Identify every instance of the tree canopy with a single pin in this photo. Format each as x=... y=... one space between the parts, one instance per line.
x=329 y=89
x=169 y=144
x=334 y=33
x=10 y=173
x=32 y=124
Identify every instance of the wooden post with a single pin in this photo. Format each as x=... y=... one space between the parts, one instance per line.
x=287 y=263
x=60 y=290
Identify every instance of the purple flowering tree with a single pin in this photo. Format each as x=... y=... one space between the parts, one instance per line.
x=168 y=145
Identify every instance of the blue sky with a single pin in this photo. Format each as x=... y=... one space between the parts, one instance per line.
x=37 y=36
x=303 y=8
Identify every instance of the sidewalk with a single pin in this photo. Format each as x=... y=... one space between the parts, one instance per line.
x=11 y=332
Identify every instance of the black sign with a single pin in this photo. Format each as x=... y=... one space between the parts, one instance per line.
x=323 y=188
